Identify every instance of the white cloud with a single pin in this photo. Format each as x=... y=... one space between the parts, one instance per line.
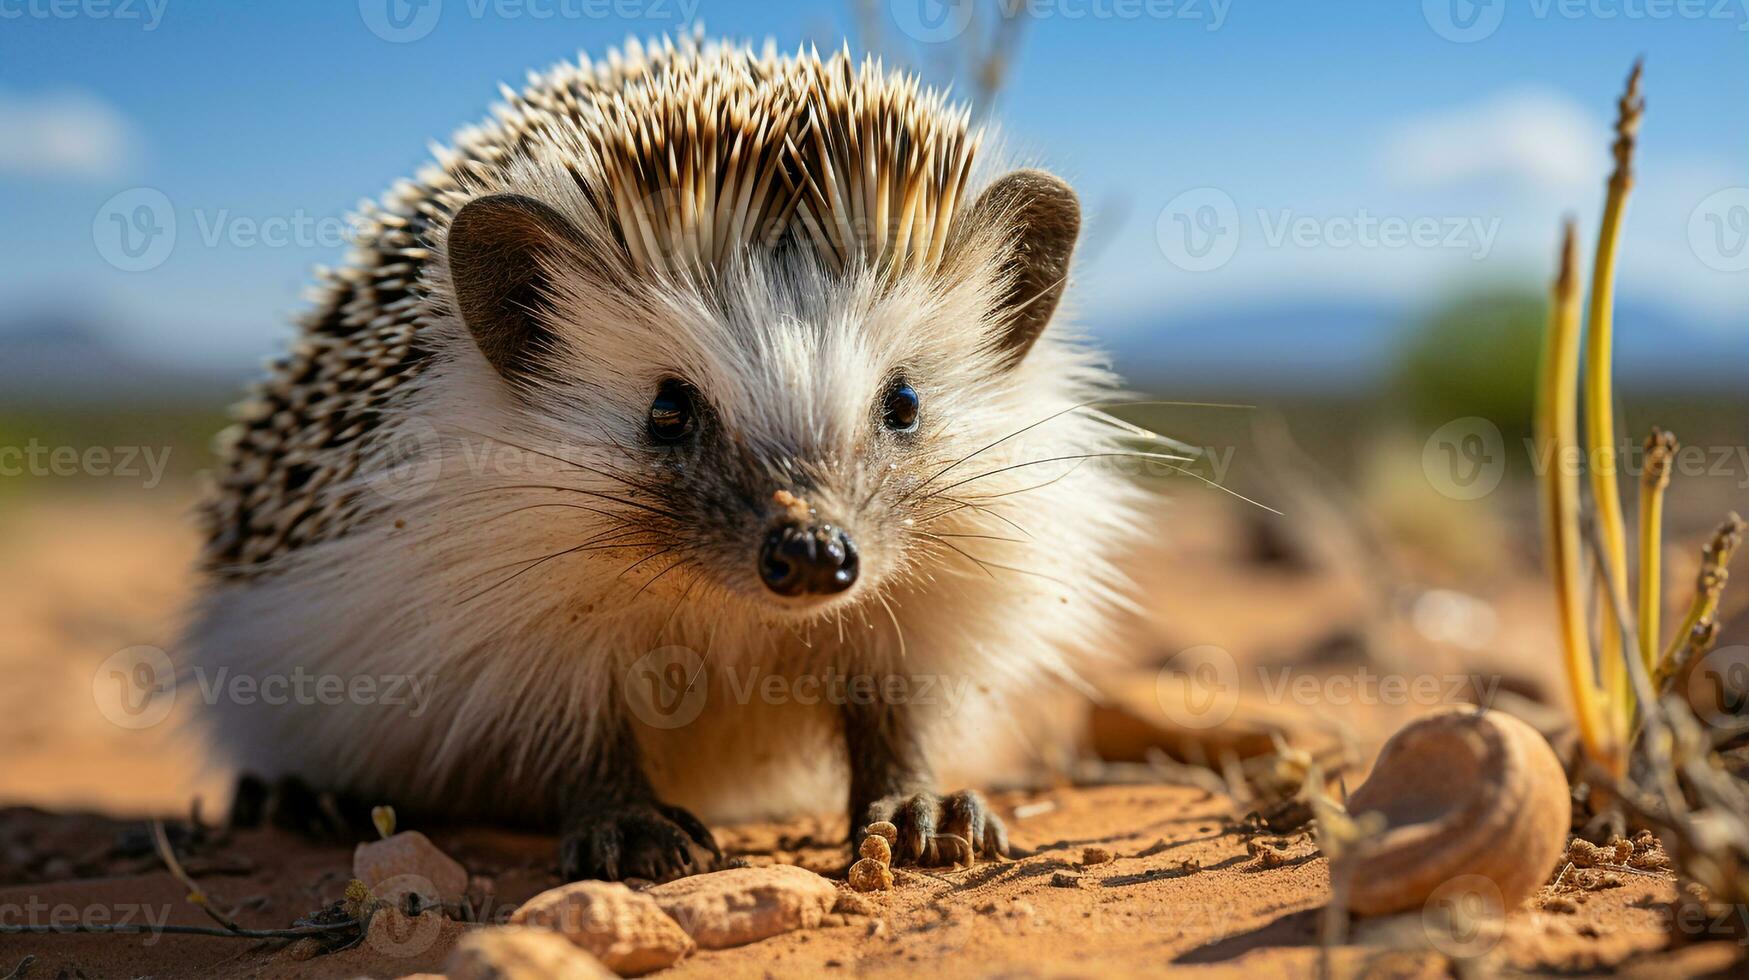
x=63 y=134
x=1530 y=139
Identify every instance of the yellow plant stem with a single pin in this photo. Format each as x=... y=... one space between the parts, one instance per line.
x=1708 y=588
x=1600 y=416
x=1557 y=430
x=1660 y=450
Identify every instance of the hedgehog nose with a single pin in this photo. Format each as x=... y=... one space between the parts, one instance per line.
x=801 y=559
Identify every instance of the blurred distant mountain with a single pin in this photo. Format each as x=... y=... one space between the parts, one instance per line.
x=1342 y=347
x=1319 y=347
x=62 y=359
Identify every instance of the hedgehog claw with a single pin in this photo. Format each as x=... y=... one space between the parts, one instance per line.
x=636 y=840
x=937 y=830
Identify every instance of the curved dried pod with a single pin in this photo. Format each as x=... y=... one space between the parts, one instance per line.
x=1462 y=792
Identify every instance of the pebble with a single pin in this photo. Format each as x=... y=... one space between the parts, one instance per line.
x=626 y=930
x=870 y=875
x=408 y=863
x=521 y=953
x=744 y=905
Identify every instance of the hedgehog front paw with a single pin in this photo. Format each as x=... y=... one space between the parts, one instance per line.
x=289 y=803
x=937 y=830
x=651 y=840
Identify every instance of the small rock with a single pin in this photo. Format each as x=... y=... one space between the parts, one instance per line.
x=1458 y=792
x=1095 y=855
x=850 y=903
x=626 y=930
x=408 y=863
x=884 y=828
x=869 y=875
x=391 y=933
x=744 y=905
x=1581 y=853
x=521 y=953
x=1063 y=879
x=1557 y=903
x=1623 y=848
x=876 y=848
x=1270 y=858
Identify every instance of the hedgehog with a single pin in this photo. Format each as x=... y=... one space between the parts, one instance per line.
x=695 y=434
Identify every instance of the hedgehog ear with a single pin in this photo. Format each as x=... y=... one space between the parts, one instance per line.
x=500 y=249
x=1045 y=217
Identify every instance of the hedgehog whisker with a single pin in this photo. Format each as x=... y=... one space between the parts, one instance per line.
x=588 y=493
x=986 y=565
x=666 y=623
x=982 y=537
x=1037 y=486
x=543 y=560
x=607 y=540
x=620 y=521
x=962 y=504
x=633 y=566
x=898 y=630
x=610 y=474
x=956 y=549
x=682 y=560
x=1093 y=404
x=983 y=449
x=1163 y=457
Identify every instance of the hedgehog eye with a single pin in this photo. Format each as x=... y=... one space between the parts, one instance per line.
x=671 y=415
x=901 y=408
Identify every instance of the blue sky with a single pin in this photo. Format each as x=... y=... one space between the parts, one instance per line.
x=1230 y=153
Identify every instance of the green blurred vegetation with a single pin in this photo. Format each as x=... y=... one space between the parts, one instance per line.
x=1475 y=353
x=182 y=431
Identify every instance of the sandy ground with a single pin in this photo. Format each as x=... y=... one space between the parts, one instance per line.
x=81 y=579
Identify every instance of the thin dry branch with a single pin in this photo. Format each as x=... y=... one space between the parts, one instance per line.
x=1660 y=450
